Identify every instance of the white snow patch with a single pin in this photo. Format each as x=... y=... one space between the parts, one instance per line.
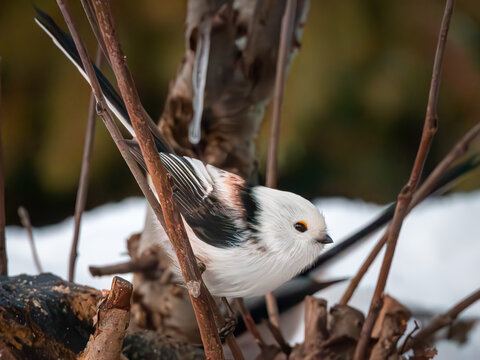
x=436 y=262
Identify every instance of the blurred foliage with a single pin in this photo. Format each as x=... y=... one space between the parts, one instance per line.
x=353 y=112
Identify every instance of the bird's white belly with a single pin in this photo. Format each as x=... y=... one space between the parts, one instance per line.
x=242 y=271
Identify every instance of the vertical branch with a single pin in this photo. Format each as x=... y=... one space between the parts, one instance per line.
x=3 y=247
x=87 y=8
x=427 y=188
x=84 y=174
x=405 y=196
x=249 y=322
x=25 y=220
x=174 y=224
x=282 y=62
x=113 y=318
x=272 y=160
x=105 y=115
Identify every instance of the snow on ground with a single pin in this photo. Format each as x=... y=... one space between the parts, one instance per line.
x=437 y=262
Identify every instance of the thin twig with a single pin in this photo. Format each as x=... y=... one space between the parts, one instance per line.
x=282 y=62
x=427 y=187
x=441 y=321
x=3 y=246
x=405 y=196
x=409 y=336
x=84 y=174
x=272 y=160
x=92 y=19
x=141 y=265
x=249 y=322
x=105 y=115
x=174 y=224
x=25 y=220
x=88 y=9
x=278 y=336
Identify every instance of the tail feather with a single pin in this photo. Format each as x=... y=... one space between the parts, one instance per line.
x=65 y=43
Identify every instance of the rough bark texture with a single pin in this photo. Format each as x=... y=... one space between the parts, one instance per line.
x=112 y=321
x=45 y=317
x=240 y=78
x=239 y=82
x=390 y=326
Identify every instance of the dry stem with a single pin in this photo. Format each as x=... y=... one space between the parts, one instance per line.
x=3 y=247
x=271 y=181
x=105 y=115
x=145 y=263
x=174 y=224
x=113 y=317
x=84 y=174
x=428 y=186
x=441 y=321
x=405 y=196
x=249 y=322
x=25 y=220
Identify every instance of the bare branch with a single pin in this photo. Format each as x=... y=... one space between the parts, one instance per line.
x=25 y=220
x=3 y=246
x=113 y=317
x=441 y=321
x=288 y=21
x=282 y=62
x=174 y=224
x=405 y=196
x=105 y=115
x=249 y=322
x=427 y=187
x=145 y=263
x=84 y=174
x=87 y=8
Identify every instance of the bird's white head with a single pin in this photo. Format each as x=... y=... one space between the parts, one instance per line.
x=290 y=227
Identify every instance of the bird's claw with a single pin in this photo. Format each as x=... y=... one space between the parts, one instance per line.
x=228 y=328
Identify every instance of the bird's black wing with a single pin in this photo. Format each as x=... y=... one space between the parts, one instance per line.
x=211 y=200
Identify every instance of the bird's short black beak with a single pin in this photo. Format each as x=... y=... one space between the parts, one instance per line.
x=325 y=240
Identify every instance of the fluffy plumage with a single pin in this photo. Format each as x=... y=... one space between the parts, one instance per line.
x=251 y=239
x=245 y=236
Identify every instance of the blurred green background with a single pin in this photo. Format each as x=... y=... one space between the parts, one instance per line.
x=353 y=112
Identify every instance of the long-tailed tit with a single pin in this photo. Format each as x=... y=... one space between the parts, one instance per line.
x=251 y=239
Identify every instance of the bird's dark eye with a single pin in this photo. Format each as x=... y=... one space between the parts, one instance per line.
x=300 y=226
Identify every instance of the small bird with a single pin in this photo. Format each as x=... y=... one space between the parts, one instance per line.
x=251 y=239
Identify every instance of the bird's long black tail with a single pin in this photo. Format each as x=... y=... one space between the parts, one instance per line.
x=65 y=43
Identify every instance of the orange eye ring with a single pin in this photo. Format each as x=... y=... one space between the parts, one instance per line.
x=301 y=226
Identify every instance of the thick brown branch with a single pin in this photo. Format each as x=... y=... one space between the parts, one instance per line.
x=3 y=246
x=174 y=224
x=113 y=317
x=25 y=220
x=84 y=174
x=441 y=321
x=405 y=196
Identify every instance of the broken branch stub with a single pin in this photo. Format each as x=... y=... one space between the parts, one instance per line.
x=113 y=317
